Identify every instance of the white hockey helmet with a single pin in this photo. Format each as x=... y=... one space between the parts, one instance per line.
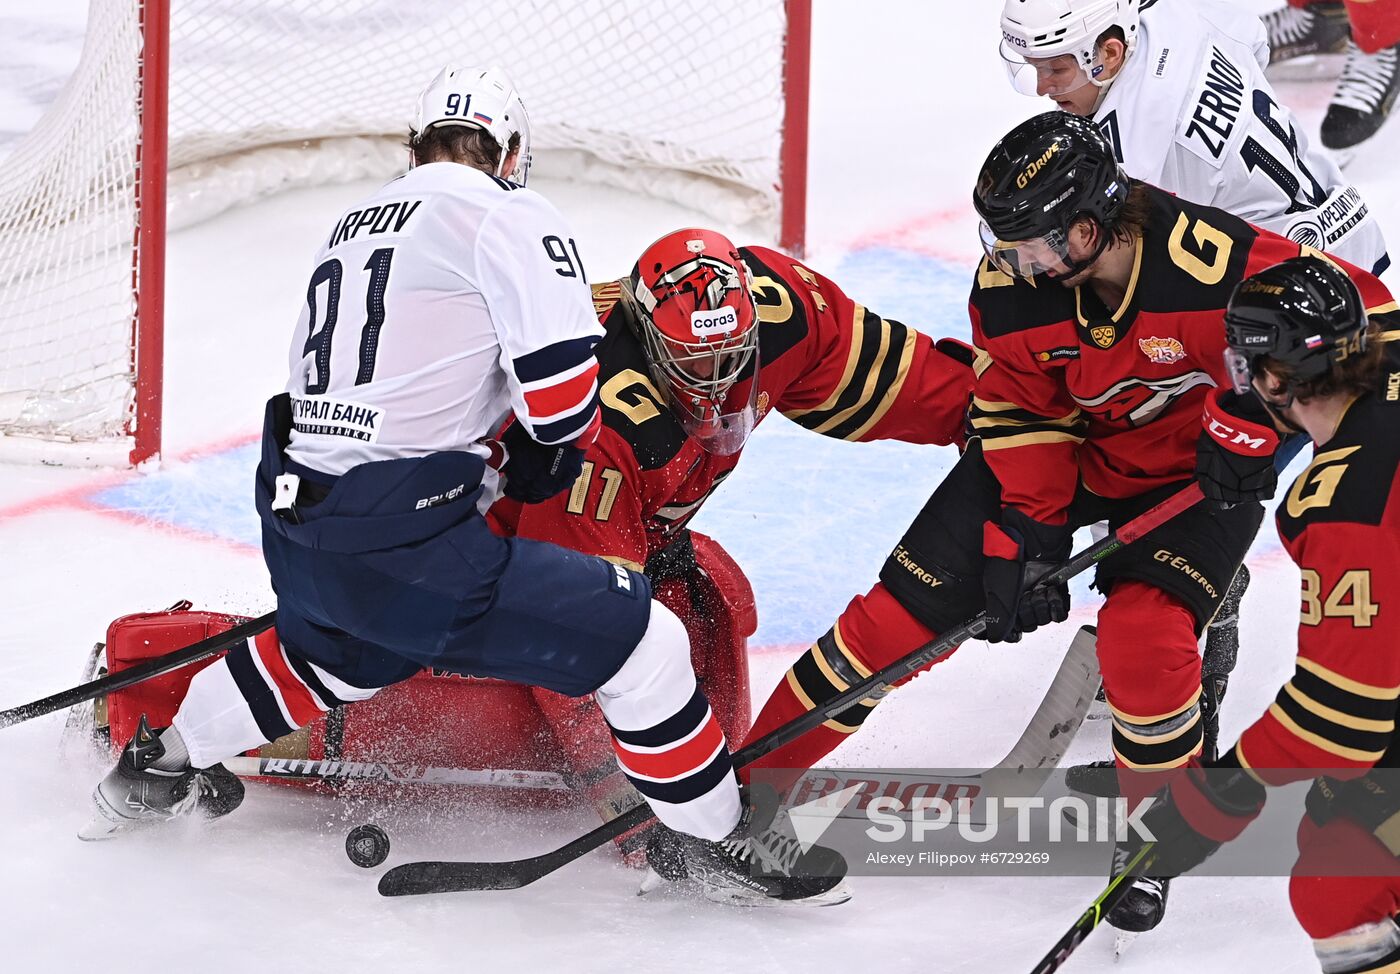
x=1044 y=29
x=483 y=98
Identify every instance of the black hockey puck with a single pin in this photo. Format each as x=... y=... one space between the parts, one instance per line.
x=367 y=846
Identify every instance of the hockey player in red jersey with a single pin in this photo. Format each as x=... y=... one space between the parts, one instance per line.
x=378 y=465
x=677 y=411
x=1098 y=316
x=1312 y=349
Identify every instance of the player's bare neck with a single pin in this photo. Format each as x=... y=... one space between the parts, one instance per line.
x=1321 y=416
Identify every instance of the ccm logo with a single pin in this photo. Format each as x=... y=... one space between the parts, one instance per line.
x=1233 y=437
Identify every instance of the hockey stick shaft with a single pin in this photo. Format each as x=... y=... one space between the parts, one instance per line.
x=432 y=877
x=1116 y=889
x=310 y=769
x=138 y=673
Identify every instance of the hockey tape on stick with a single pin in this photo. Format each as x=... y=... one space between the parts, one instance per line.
x=307 y=769
x=1116 y=889
x=139 y=673
x=415 y=878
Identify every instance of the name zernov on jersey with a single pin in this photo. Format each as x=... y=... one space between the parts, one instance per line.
x=1218 y=103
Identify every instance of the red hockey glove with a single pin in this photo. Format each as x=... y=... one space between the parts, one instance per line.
x=534 y=471
x=1235 y=452
x=1018 y=551
x=1198 y=812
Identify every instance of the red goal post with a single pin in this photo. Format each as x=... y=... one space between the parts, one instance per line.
x=179 y=109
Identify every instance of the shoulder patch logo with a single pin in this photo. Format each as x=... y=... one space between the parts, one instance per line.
x=1103 y=335
x=1162 y=351
x=763 y=403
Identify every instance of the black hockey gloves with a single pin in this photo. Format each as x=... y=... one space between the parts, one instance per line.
x=1198 y=812
x=535 y=472
x=1020 y=550
x=1235 y=451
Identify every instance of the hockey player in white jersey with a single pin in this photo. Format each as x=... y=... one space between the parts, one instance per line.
x=1178 y=87
x=450 y=299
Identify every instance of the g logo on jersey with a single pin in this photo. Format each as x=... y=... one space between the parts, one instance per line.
x=1138 y=402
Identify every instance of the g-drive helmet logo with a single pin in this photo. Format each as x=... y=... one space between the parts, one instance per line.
x=1024 y=178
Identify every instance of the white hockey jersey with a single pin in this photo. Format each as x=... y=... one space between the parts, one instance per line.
x=1192 y=113
x=439 y=303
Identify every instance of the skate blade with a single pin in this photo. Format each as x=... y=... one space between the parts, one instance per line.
x=101 y=829
x=835 y=896
x=1122 y=940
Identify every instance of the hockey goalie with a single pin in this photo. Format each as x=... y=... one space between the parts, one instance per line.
x=677 y=410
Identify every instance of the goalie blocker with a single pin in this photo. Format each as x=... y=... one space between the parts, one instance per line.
x=436 y=718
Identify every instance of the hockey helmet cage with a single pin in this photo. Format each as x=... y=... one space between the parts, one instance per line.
x=697 y=321
x=1304 y=312
x=1044 y=29
x=1042 y=176
x=483 y=98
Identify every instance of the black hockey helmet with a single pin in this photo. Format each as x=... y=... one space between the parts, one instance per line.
x=1304 y=312
x=1043 y=175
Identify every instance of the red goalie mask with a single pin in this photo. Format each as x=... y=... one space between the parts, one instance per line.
x=697 y=321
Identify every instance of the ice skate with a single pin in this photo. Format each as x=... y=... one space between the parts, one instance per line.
x=1299 y=32
x=1140 y=910
x=752 y=866
x=136 y=793
x=1363 y=100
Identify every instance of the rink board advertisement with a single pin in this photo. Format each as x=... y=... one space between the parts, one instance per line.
x=1004 y=822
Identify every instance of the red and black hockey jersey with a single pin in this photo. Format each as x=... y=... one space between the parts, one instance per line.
x=825 y=362
x=1340 y=521
x=1069 y=390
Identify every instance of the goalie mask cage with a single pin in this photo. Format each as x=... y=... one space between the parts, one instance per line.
x=179 y=109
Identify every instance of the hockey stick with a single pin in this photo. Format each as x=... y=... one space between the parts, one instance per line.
x=1116 y=889
x=450 y=877
x=308 y=769
x=1047 y=736
x=138 y=673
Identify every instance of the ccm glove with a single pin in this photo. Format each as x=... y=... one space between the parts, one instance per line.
x=1235 y=451
x=534 y=471
x=1019 y=551
x=1201 y=810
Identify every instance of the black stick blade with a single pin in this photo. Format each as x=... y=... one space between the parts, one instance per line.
x=418 y=878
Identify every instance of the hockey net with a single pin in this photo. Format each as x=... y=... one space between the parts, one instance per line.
x=684 y=100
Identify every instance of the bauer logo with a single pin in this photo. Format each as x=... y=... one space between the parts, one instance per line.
x=707 y=324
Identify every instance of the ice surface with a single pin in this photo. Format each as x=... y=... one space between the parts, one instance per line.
x=907 y=98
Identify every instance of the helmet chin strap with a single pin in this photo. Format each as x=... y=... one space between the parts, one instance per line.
x=1273 y=409
x=1076 y=267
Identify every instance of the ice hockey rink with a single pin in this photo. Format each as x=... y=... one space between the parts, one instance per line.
x=907 y=98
